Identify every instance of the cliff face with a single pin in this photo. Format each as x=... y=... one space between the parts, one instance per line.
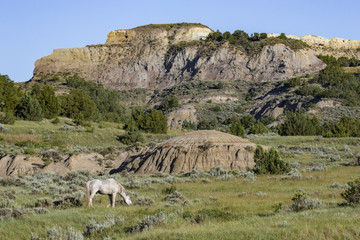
x=159 y=56
x=337 y=47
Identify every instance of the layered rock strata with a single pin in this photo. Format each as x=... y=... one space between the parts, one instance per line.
x=199 y=150
x=159 y=56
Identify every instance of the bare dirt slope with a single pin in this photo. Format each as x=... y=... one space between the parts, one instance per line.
x=200 y=150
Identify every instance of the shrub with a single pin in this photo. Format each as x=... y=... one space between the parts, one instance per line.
x=198 y=219
x=67 y=128
x=352 y=193
x=143 y=201
x=302 y=202
x=169 y=102
x=149 y=222
x=131 y=137
x=217 y=171
x=68 y=202
x=11 y=194
x=237 y=129
x=6 y=203
x=5 y=212
x=218 y=214
x=44 y=202
x=261 y=194
x=96 y=226
x=248 y=176
x=169 y=190
x=40 y=210
x=18 y=213
x=60 y=233
x=173 y=180
x=269 y=162
x=7 y=118
x=293 y=174
x=225 y=177
x=55 y=121
x=337 y=185
x=30 y=151
x=46 y=161
x=188 y=125
x=174 y=198
x=317 y=167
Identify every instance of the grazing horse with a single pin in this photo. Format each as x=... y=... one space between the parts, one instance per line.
x=109 y=187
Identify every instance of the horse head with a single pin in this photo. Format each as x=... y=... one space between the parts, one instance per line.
x=127 y=200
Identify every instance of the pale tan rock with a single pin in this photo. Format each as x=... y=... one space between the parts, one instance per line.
x=337 y=47
x=328 y=103
x=200 y=150
x=19 y=165
x=178 y=116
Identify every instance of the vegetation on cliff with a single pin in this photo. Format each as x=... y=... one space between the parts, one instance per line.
x=334 y=81
x=255 y=42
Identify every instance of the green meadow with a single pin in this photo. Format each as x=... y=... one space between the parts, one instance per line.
x=197 y=205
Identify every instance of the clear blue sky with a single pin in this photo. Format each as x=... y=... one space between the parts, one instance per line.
x=31 y=29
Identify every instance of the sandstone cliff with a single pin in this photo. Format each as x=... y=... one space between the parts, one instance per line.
x=337 y=47
x=159 y=56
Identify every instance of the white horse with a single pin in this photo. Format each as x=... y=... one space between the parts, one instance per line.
x=109 y=187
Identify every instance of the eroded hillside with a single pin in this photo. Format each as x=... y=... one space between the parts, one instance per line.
x=159 y=56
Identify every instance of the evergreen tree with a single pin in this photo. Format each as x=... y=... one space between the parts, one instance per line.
x=154 y=121
x=29 y=108
x=237 y=129
x=169 y=102
x=298 y=124
x=10 y=95
x=269 y=162
x=79 y=102
x=49 y=102
x=258 y=128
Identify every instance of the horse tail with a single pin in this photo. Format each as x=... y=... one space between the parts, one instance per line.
x=88 y=193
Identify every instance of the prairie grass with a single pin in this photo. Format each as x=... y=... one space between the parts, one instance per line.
x=46 y=134
x=218 y=209
x=229 y=214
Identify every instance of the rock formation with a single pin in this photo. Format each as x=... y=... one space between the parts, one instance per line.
x=337 y=47
x=178 y=116
x=19 y=165
x=159 y=56
x=200 y=150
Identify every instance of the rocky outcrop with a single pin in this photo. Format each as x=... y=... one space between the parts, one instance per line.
x=159 y=56
x=20 y=165
x=178 y=116
x=200 y=150
x=337 y=47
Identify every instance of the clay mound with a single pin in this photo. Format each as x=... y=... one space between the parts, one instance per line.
x=200 y=150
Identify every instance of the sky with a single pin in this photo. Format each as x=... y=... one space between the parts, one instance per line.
x=31 y=29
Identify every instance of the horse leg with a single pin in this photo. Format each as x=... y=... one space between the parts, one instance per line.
x=113 y=199
x=110 y=198
x=91 y=197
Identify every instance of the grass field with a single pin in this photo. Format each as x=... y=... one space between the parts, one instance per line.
x=45 y=134
x=232 y=209
x=211 y=207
